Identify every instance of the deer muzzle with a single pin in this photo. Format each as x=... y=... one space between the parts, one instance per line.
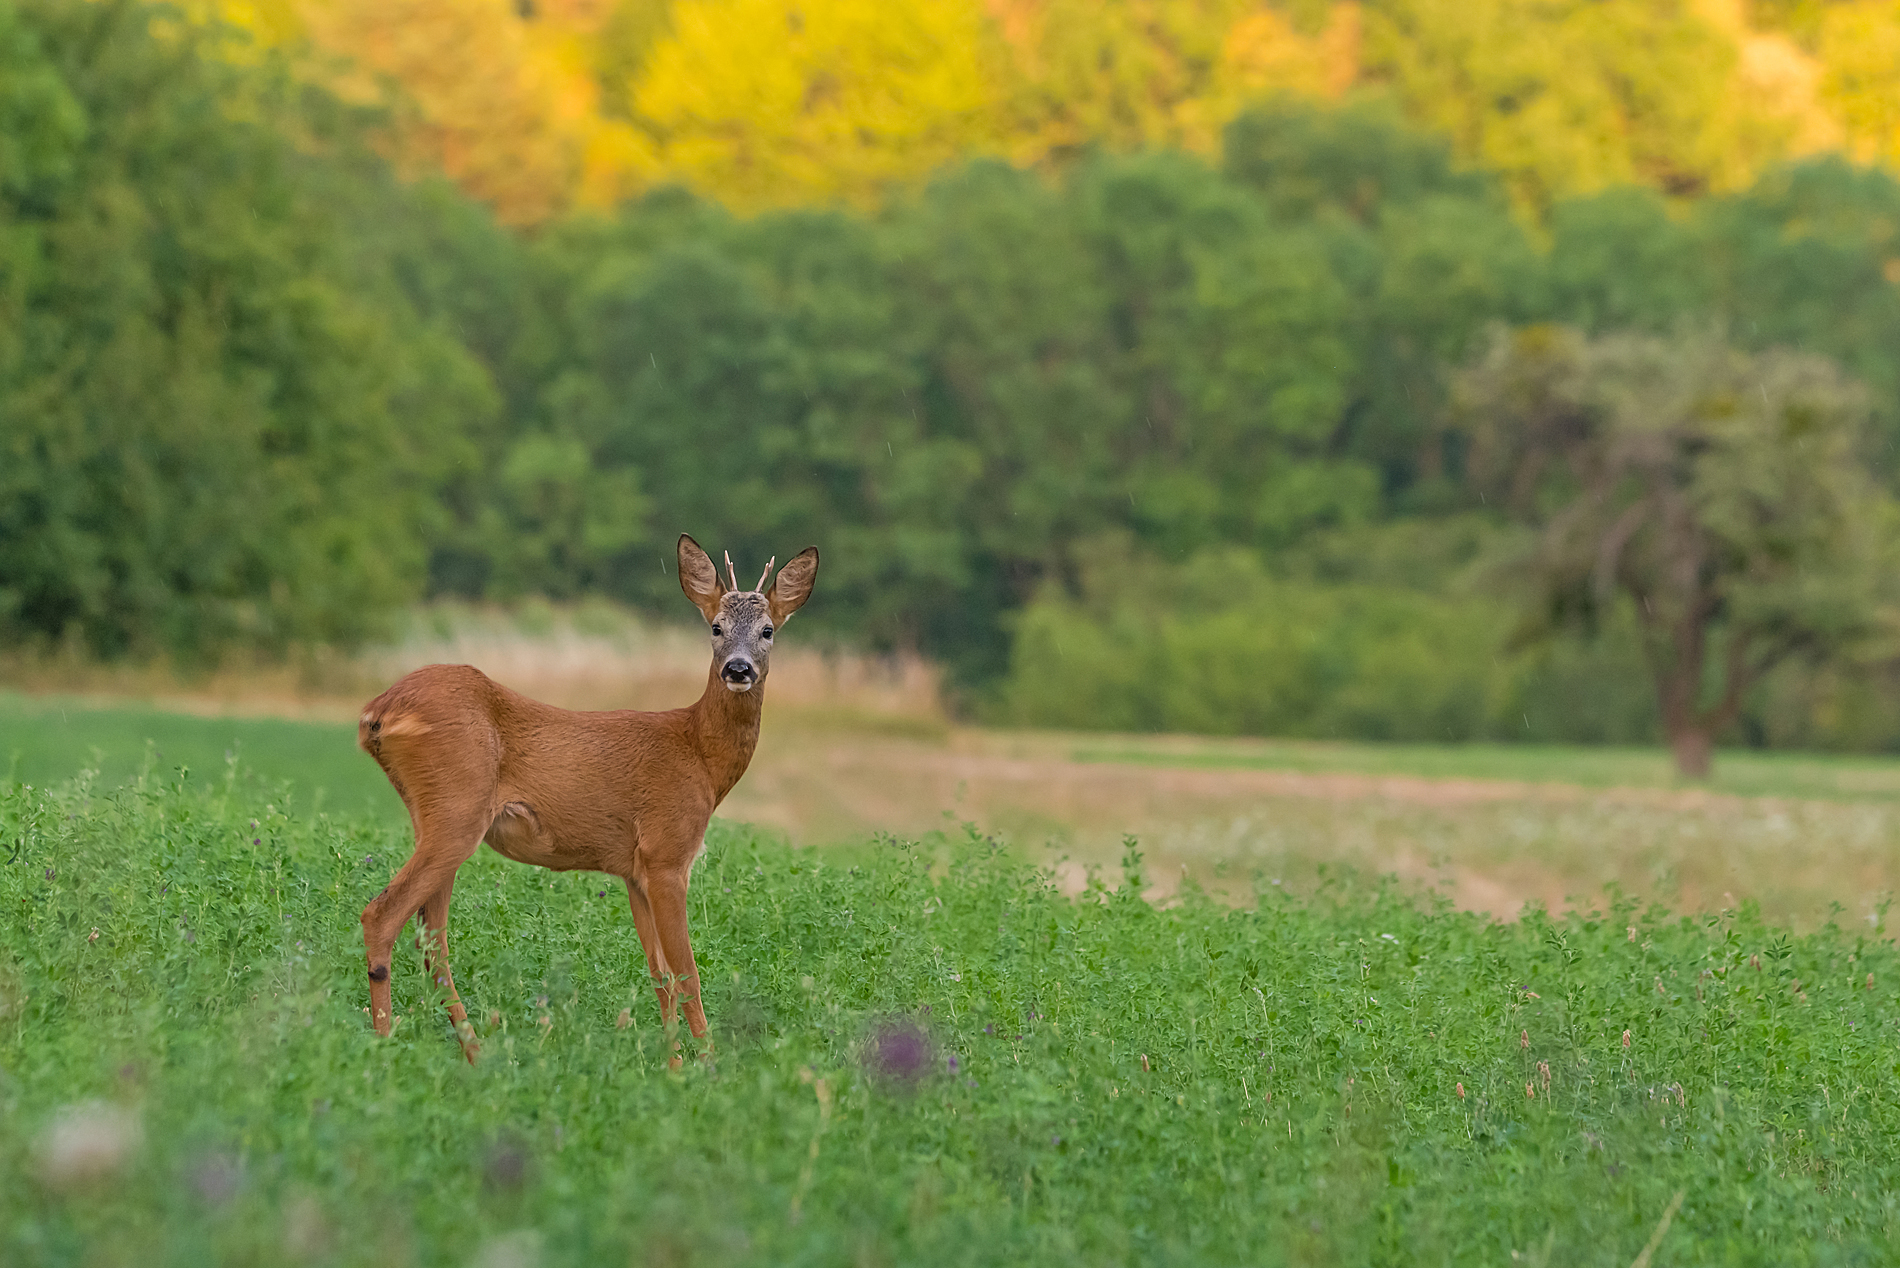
x=739 y=674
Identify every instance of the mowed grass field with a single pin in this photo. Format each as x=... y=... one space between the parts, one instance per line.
x=925 y=1053
x=46 y=739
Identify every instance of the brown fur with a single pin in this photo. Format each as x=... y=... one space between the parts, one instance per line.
x=623 y=792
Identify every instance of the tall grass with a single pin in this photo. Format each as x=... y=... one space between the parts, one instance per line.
x=925 y=1054
x=589 y=655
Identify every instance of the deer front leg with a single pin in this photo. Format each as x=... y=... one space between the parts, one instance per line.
x=433 y=937
x=667 y=894
x=650 y=943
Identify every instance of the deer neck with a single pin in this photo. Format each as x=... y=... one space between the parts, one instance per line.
x=725 y=728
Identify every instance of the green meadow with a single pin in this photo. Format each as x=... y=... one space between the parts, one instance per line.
x=45 y=739
x=923 y=1054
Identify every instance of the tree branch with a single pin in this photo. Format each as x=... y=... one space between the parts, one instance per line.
x=1610 y=550
x=1742 y=675
x=1737 y=678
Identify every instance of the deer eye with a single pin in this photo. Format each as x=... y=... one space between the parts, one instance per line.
x=766 y=632
x=716 y=629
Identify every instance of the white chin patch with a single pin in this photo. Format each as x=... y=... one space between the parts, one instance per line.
x=738 y=686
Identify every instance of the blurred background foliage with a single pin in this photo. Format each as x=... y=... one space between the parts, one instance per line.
x=536 y=106
x=1110 y=349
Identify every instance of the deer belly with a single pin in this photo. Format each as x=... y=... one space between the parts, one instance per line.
x=517 y=833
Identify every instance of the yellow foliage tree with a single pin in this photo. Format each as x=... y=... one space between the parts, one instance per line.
x=270 y=21
x=1131 y=73
x=1571 y=96
x=1265 y=53
x=765 y=102
x=535 y=105
x=497 y=94
x=1860 y=54
x=490 y=109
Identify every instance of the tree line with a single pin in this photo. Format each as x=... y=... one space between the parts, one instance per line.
x=536 y=106
x=256 y=390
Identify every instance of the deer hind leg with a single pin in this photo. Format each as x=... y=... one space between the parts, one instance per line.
x=667 y=895
x=433 y=938
x=444 y=841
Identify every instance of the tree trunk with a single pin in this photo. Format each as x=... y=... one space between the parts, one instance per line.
x=1694 y=747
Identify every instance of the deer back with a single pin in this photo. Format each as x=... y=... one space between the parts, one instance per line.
x=558 y=787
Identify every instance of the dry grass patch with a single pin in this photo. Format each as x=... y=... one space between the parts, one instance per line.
x=588 y=656
x=1491 y=845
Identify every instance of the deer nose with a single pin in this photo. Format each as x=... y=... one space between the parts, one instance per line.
x=739 y=669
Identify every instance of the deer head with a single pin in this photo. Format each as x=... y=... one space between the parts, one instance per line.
x=744 y=621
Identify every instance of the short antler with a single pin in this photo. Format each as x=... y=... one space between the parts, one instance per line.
x=730 y=575
x=768 y=572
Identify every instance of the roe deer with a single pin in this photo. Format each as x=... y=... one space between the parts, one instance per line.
x=622 y=792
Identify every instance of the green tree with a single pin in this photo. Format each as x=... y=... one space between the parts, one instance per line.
x=1803 y=258
x=1723 y=493
x=1216 y=644
x=218 y=425
x=1234 y=338
x=1429 y=255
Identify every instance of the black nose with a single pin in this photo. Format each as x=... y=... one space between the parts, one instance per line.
x=738 y=669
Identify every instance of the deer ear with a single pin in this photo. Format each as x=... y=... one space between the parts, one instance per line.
x=792 y=586
x=699 y=579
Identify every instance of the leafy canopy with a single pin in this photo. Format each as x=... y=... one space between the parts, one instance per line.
x=217 y=427
x=537 y=108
